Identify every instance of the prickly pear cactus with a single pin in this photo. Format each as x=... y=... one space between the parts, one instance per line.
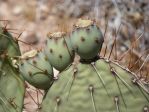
x=11 y=83
x=101 y=86
x=36 y=69
x=95 y=84
x=11 y=87
x=59 y=50
x=8 y=45
x=86 y=39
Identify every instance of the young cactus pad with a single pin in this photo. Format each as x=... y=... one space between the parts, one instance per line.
x=8 y=45
x=86 y=39
x=100 y=86
x=59 y=50
x=12 y=87
x=36 y=69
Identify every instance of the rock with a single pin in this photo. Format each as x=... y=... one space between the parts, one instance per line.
x=30 y=37
x=17 y=10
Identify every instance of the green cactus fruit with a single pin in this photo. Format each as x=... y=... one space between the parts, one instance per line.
x=100 y=86
x=86 y=39
x=8 y=45
x=36 y=69
x=59 y=50
x=12 y=87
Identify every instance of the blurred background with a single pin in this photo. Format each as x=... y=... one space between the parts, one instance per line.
x=128 y=19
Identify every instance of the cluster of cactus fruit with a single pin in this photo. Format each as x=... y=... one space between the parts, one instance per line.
x=92 y=84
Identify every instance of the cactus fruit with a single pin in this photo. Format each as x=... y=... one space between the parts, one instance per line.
x=59 y=50
x=86 y=39
x=95 y=84
x=100 y=86
x=36 y=69
x=11 y=87
x=8 y=44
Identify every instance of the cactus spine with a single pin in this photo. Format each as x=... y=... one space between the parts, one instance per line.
x=95 y=84
x=8 y=44
x=11 y=83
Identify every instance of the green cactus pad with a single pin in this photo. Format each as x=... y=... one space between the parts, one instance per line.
x=59 y=50
x=102 y=86
x=12 y=88
x=86 y=39
x=7 y=44
x=36 y=69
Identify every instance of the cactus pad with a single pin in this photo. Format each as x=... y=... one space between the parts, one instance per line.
x=100 y=86
x=8 y=45
x=36 y=69
x=86 y=39
x=59 y=50
x=12 y=88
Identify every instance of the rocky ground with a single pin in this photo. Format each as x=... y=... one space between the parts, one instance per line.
x=35 y=18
